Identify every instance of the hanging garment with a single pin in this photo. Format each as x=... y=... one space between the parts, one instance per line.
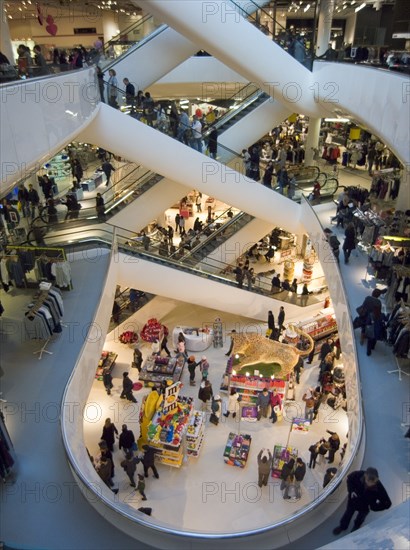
x=63 y=274
x=16 y=273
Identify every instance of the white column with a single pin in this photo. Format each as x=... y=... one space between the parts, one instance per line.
x=110 y=25
x=312 y=139
x=324 y=25
x=5 y=40
x=403 y=199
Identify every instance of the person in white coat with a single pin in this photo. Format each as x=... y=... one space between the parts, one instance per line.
x=233 y=403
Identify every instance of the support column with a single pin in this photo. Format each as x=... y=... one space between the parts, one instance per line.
x=324 y=25
x=110 y=25
x=5 y=40
x=403 y=199
x=312 y=139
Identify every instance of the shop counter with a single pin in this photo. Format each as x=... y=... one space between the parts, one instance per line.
x=197 y=339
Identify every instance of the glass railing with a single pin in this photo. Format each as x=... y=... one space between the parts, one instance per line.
x=129 y=40
x=213 y=270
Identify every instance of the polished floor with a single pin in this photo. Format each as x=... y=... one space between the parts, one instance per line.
x=44 y=509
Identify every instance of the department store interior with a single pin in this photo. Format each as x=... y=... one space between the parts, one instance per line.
x=186 y=355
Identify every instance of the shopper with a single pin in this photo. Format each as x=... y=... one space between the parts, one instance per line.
x=300 y=471
x=213 y=143
x=204 y=367
x=318 y=397
x=137 y=363
x=155 y=347
x=198 y=202
x=164 y=345
x=276 y=284
x=100 y=207
x=216 y=406
x=275 y=403
x=141 y=487
x=326 y=348
x=233 y=403
x=371 y=320
x=366 y=493
x=314 y=451
x=77 y=171
x=231 y=345
x=334 y=243
x=329 y=475
x=104 y=471
x=192 y=364
x=112 y=89
x=262 y=403
x=304 y=297
x=349 y=242
x=34 y=200
x=108 y=169
x=108 y=433
x=107 y=381
x=181 y=349
x=334 y=443
x=264 y=466
x=205 y=393
x=286 y=474
x=281 y=319
x=127 y=386
x=309 y=404
x=104 y=451
x=129 y=464
x=126 y=440
x=271 y=326
x=148 y=460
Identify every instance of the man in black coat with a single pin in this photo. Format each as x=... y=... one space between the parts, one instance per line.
x=107 y=168
x=148 y=460
x=126 y=440
x=366 y=493
x=127 y=385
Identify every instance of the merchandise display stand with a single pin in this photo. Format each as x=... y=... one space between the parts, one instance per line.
x=43 y=350
x=106 y=363
x=399 y=370
x=250 y=386
x=158 y=369
x=168 y=427
x=320 y=327
x=195 y=433
x=218 y=334
x=237 y=449
x=281 y=454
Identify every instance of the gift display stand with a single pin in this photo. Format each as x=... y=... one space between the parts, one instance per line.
x=195 y=433
x=106 y=363
x=158 y=369
x=281 y=455
x=250 y=386
x=218 y=334
x=320 y=327
x=237 y=449
x=167 y=429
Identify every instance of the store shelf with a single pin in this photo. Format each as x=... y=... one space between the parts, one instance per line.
x=195 y=433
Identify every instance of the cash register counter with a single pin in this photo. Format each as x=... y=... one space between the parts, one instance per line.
x=197 y=339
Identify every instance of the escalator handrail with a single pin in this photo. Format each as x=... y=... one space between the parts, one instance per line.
x=136 y=46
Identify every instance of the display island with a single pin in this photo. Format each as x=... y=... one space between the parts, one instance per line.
x=237 y=449
x=158 y=369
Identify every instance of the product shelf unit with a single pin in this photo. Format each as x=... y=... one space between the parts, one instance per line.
x=159 y=369
x=320 y=327
x=106 y=363
x=280 y=456
x=195 y=433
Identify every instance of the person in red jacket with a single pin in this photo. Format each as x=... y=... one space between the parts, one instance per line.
x=366 y=493
x=275 y=401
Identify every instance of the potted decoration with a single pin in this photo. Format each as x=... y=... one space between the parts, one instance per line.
x=129 y=337
x=152 y=330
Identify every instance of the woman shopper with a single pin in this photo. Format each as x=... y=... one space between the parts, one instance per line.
x=349 y=242
x=205 y=393
x=112 y=89
x=233 y=403
x=108 y=433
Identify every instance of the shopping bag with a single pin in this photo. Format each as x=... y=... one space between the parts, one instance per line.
x=369 y=331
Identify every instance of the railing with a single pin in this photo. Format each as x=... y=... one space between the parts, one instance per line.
x=214 y=270
x=131 y=46
x=285 y=42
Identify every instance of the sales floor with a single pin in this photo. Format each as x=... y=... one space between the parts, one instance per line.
x=65 y=520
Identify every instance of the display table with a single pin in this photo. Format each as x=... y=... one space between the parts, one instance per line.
x=237 y=449
x=88 y=185
x=281 y=455
x=320 y=327
x=158 y=369
x=197 y=339
x=79 y=194
x=195 y=433
x=93 y=181
x=166 y=433
x=106 y=363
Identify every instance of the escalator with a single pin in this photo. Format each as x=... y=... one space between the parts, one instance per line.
x=327 y=91
x=211 y=284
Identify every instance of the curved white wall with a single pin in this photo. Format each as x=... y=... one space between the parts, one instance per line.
x=39 y=117
x=380 y=99
x=135 y=141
